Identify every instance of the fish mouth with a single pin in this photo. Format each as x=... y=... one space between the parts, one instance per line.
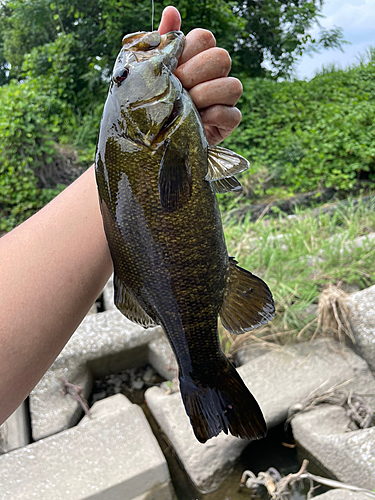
x=157 y=102
x=141 y=41
x=152 y=99
x=171 y=43
x=170 y=37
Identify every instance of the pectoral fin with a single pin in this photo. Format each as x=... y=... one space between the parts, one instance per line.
x=174 y=178
x=129 y=307
x=223 y=164
x=225 y=185
x=248 y=302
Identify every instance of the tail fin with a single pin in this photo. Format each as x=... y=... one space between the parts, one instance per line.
x=222 y=404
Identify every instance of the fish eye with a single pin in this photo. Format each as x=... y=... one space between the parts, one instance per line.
x=120 y=75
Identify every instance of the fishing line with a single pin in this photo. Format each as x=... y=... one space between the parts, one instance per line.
x=152 y=15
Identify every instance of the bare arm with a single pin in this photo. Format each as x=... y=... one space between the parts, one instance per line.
x=54 y=265
x=52 y=268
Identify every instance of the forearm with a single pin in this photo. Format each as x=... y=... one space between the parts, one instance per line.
x=52 y=269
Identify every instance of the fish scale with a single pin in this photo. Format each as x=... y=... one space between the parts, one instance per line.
x=163 y=226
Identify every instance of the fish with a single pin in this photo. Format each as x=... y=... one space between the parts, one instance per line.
x=157 y=179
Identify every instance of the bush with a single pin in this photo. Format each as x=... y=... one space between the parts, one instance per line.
x=311 y=135
x=31 y=122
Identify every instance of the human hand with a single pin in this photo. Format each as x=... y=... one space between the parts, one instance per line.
x=203 y=70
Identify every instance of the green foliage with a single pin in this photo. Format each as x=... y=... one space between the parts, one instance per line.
x=86 y=132
x=61 y=54
x=30 y=123
x=4 y=77
x=312 y=134
x=298 y=257
x=54 y=63
x=251 y=31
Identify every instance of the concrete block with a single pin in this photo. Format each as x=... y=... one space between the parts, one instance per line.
x=349 y=456
x=162 y=358
x=362 y=319
x=339 y=494
x=249 y=353
x=108 y=296
x=207 y=464
x=104 y=343
x=278 y=380
x=284 y=378
x=104 y=407
x=114 y=456
x=14 y=432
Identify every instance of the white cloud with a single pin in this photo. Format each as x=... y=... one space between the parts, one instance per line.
x=357 y=18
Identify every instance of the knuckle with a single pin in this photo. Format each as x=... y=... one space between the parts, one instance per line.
x=205 y=37
x=239 y=117
x=224 y=59
x=236 y=88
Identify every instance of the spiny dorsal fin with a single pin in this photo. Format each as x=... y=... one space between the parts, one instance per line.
x=223 y=164
x=174 y=178
x=248 y=302
x=128 y=305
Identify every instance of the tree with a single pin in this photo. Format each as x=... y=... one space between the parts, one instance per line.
x=56 y=57
x=264 y=37
x=253 y=31
x=277 y=32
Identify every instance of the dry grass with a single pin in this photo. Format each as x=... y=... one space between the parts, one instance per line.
x=333 y=314
x=266 y=336
x=360 y=414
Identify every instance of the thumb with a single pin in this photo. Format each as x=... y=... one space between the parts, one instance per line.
x=170 y=20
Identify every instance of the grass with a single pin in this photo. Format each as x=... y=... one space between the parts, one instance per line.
x=300 y=257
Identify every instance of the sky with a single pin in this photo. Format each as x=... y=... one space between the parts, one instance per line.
x=357 y=18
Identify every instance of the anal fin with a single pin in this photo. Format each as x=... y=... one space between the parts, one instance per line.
x=247 y=303
x=127 y=304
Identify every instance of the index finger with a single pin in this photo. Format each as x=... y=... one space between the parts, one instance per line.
x=197 y=40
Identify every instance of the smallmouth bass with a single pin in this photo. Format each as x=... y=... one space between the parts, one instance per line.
x=157 y=177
